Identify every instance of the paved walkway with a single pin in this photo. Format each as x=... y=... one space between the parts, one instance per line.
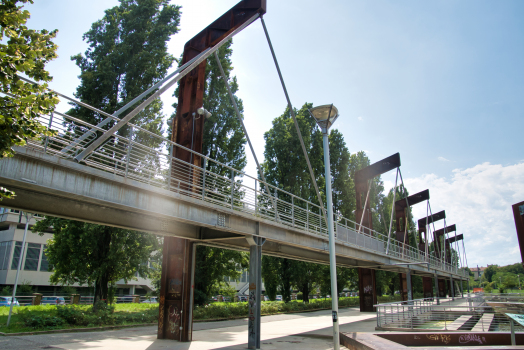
x=301 y=331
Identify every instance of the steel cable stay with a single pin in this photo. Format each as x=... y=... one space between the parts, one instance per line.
x=239 y=117
x=292 y=112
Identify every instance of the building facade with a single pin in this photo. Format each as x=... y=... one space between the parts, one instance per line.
x=35 y=269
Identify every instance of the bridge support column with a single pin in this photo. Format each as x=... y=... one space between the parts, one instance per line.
x=452 y=288
x=367 y=290
x=442 y=288
x=427 y=287
x=437 y=293
x=175 y=319
x=255 y=290
x=405 y=288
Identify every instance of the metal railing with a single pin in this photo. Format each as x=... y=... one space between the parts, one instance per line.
x=149 y=158
x=463 y=314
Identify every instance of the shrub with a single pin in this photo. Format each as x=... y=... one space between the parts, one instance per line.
x=72 y=315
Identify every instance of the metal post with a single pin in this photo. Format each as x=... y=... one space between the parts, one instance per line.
x=437 y=290
x=275 y=202
x=256 y=196
x=204 y=179
x=513 y=342
x=364 y=210
x=48 y=128
x=408 y=283
x=28 y=217
x=232 y=188
x=332 y=253
x=170 y=167
x=293 y=210
x=129 y=151
x=307 y=216
x=255 y=291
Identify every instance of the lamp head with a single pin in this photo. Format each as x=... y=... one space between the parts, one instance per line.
x=324 y=115
x=204 y=112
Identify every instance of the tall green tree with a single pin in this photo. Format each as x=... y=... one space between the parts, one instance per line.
x=127 y=54
x=22 y=51
x=96 y=255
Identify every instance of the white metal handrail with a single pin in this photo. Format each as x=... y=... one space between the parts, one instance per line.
x=148 y=158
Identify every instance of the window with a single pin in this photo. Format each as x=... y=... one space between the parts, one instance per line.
x=5 y=254
x=44 y=265
x=32 y=256
x=16 y=255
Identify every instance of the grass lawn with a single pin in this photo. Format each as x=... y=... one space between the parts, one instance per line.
x=46 y=317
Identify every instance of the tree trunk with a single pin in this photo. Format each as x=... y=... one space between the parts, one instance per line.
x=305 y=292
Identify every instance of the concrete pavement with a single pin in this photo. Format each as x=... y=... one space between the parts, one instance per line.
x=301 y=331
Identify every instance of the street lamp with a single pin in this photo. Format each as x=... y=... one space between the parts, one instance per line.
x=325 y=116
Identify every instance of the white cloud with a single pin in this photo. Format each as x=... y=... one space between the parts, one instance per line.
x=442 y=159
x=360 y=119
x=478 y=200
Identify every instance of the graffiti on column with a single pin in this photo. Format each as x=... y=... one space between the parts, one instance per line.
x=174 y=320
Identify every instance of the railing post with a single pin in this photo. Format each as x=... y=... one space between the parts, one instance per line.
x=293 y=210
x=307 y=216
x=256 y=196
x=204 y=179
x=170 y=167
x=129 y=151
x=232 y=188
x=48 y=128
x=276 y=205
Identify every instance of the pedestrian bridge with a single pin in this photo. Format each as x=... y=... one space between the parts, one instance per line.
x=135 y=183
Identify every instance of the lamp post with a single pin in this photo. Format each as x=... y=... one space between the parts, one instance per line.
x=325 y=116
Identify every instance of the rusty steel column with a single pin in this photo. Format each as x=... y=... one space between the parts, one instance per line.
x=363 y=177
x=401 y=219
x=176 y=295
x=366 y=290
x=176 y=289
x=427 y=286
x=442 y=288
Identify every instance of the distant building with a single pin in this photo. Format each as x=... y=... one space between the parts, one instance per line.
x=35 y=267
x=478 y=272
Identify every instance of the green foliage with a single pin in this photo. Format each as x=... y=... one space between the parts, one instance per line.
x=68 y=316
x=235 y=310
x=90 y=254
x=489 y=272
x=24 y=288
x=212 y=265
x=68 y=290
x=127 y=54
x=22 y=51
x=6 y=291
x=488 y=288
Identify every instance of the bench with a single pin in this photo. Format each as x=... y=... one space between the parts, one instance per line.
x=484 y=323
x=459 y=322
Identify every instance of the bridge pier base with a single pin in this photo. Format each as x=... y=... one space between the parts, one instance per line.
x=442 y=288
x=175 y=319
x=451 y=288
x=255 y=291
x=427 y=287
x=405 y=286
x=367 y=289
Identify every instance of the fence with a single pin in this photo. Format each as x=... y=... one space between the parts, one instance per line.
x=143 y=156
x=463 y=314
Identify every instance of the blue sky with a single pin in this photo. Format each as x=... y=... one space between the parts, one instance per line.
x=441 y=82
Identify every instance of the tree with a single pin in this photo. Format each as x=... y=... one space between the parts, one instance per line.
x=96 y=255
x=127 y=54
x=22 y=51
x=270 y=266
x=212 y=265
x=489 y=272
